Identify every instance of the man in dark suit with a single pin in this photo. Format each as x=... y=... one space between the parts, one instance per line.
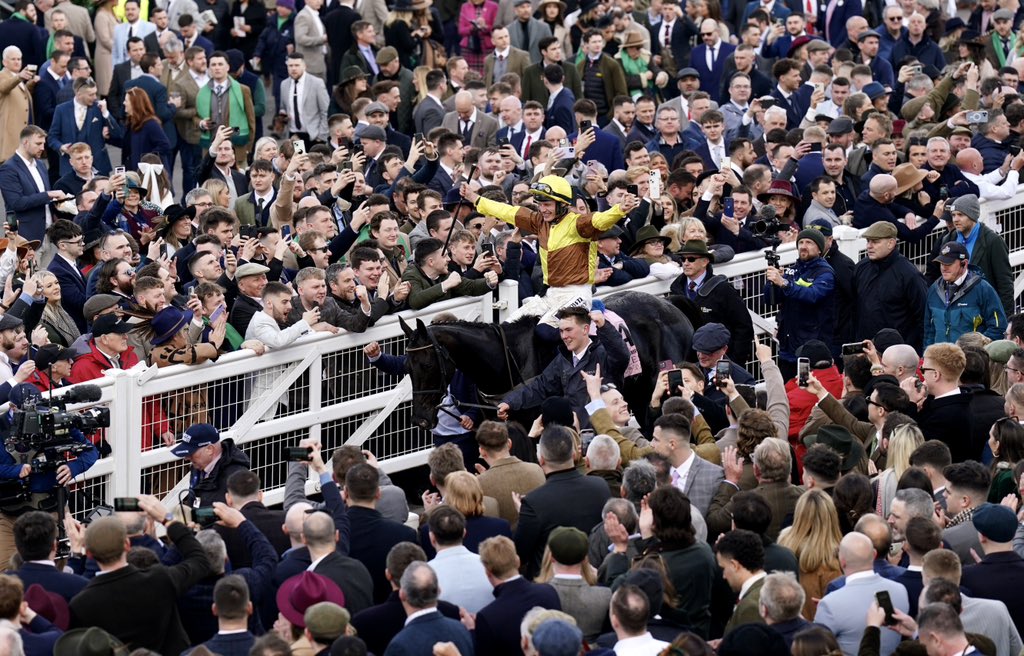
x=97 y=126
x=709 y=58
x=1000 y=574
x=533 y=77
x=20 y=31
x=419 y=594
x=378 y=626
x=541 y=511
x=429 y=113
x=149 y=81
x=560 y=100
x=232 y=607
x=606 y=148
x=50 y=83
x=223 y=166
x=139 y=607
x=449 y=148
x=338 y=24
x=497 y=623
x=672 y=35
x=124 y=73
x=244 y=493
x=373 y=536
x=27 y=191
x=66 y=236
x=787 y=72
x=35 y=534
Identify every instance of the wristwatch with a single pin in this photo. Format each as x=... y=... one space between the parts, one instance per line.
x=168 y=518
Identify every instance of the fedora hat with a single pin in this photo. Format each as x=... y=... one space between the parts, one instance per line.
x=302 y=591
x=840 y=440
x=167 y=323
x=907 y=176
x=778 y=188
x=93 y=641
x=646 y=234
x=544 y=3
x=352 y=73
x=696 y=247
x=50 y=605
x=633 y=40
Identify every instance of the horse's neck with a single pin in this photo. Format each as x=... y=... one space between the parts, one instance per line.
x=479 y=353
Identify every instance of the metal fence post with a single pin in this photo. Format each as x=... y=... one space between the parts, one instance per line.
x=508 y=299
x=125 y=436
x=849 y=241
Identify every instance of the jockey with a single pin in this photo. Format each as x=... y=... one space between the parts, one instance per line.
x=566 y=233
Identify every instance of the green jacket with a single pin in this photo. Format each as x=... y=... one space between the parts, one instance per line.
x=425 y=291
x=747 y=609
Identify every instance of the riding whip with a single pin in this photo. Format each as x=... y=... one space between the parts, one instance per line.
x=455 y=214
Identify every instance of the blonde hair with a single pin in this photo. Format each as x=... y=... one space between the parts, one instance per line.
x=419 y=75
x=463 y=492
x=904 y=439
x=814 y=536
x=498 y=556
x=948 y=358
x=690 y=222
x=215 y=187
x=404 y=16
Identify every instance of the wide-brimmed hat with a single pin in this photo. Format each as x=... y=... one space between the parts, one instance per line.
x=633 y=40
x=544 y=3
x=696 y=247
x=907 y=177
x=167 y=323
x=840 y=440
x=50 y=605
x=302 y=591
x=646 y=234
x=352 y=73
x=408 y=5
x=778 y=188
x=93 y=641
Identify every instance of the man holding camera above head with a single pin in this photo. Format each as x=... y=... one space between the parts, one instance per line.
x=26 y=483
x=213 y=463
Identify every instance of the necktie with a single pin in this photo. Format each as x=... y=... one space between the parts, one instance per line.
x=1006 y=47
x=526 y=147
x=666 y=40
x=675 y=479
x=259 y=211
x=369 y=169
x=80 y=116
x=467 y=131
x=131 y=31
x=295 y=106
x=692 y=288
x=575 y=361
x=219 y=89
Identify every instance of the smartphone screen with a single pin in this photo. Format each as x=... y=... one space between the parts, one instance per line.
x=216 y=313
x=286 y=232
x=675 y=381
x=853 y=348
x=728 y=207
x=803 y=371
x=723 y=369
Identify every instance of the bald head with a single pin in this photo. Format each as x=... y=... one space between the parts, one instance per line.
x=318 y=531
x=464 y=102
x=970 y=160
x=900 y=356
x=877 y=530
x=554 y=134
x=294 y=518
x=882 y=185
x=510 y=103
x=856 y=553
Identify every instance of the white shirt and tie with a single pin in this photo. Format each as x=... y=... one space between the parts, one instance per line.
x=682 y=472
x=80 y=113
x=33 y=170
x=717 y=153
x=712 y=54
x=298 y=95
x=529 y=139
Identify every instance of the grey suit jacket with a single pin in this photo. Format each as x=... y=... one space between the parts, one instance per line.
x=427 y=115
x=392 y=503
x=308 y=43
x=517 y=62
x=990 y=618
x=962 y=538
x=843 y=611
x=485 y=129
x=538 y=30
x=315 y=101
x=702 y=482
x=588 y=604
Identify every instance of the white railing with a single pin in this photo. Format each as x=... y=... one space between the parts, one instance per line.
x=350 y=402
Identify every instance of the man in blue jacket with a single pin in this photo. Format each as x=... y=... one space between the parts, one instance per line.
x=961 y=301
x=806 y=292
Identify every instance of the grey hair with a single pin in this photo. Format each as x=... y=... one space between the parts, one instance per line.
x=782 y=596
x=639 y=480
x=917 y=502
x=10 y=51
x=419 y=585
x=173 y=44
x=216 y=551
x=920 y=82
x=772 y=458
x=939 y=140
x=624 y=510
x=775 y=109
x=603 y=453
x=195 y=194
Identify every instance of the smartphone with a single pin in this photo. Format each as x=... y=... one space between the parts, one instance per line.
x=728 y=207
x=297 y=453
x=815 y=147
x=126 y=504
x=192 y=292
x=286 y=232
x=585 y=125
x=726 y=164
x=503 y=142
x=633 y=190
x=675 y=381
x=885 y=603
x=943 y=192
x=346 y=166
x=853 y=348
x=654 y=184
x=205 y=517
x=419 y=137
x=803 y=371
x=723 y=370
x=1014 y=151
x=976 y=117
x=247 y=231
x=299 y=146
x=12 y=221
x=767 y=103
x=118 y=170
x=591 y=203
x=217 y=313
x=487 y=248
x=916 y=69
x=357 y=149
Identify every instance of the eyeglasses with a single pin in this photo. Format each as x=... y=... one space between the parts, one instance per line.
x=707 y=33
x=1017 y=371
x=895 y=19
x=321 y=249
x=129 y=272
x=73 y=242
x=692 y=259
x=924 y=369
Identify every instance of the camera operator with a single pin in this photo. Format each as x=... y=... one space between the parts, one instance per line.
x=213 y=463
x=25 y=486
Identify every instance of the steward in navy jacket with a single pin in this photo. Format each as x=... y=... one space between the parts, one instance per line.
x=808 y=305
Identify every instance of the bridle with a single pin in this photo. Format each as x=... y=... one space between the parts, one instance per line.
x=444 y=363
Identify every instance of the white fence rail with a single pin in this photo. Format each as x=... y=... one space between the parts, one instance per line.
x=322 y=386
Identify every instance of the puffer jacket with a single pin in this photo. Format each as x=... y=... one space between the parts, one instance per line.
x=808 y=305
x=972 y=306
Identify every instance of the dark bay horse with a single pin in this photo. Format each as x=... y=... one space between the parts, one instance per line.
x=497 y=358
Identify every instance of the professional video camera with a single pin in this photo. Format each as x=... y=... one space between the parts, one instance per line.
x=46 y=429
x=767 y=225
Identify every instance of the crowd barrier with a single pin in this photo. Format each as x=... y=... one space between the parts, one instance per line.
x=323 y=387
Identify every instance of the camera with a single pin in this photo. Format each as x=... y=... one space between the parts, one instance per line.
x=204 y=517
x=126 y=504
x=42 y=436
x=297 y=453
x=768 y=227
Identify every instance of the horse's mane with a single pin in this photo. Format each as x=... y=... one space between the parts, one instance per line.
x=464 y=323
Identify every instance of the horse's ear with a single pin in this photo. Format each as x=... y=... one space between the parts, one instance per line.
x=421 y=328
x=405 y=327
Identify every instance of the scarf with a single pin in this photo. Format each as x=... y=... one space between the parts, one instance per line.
x=236 y=112
x=634 y=67
x=61 y=322
x=997 y=47
x=961 y=517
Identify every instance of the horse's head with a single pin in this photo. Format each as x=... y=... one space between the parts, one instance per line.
x=430 y=368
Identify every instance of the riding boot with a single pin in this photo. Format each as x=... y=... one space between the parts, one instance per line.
x=548 y=333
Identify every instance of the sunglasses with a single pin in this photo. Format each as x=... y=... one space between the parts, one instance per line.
x=692 y=259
